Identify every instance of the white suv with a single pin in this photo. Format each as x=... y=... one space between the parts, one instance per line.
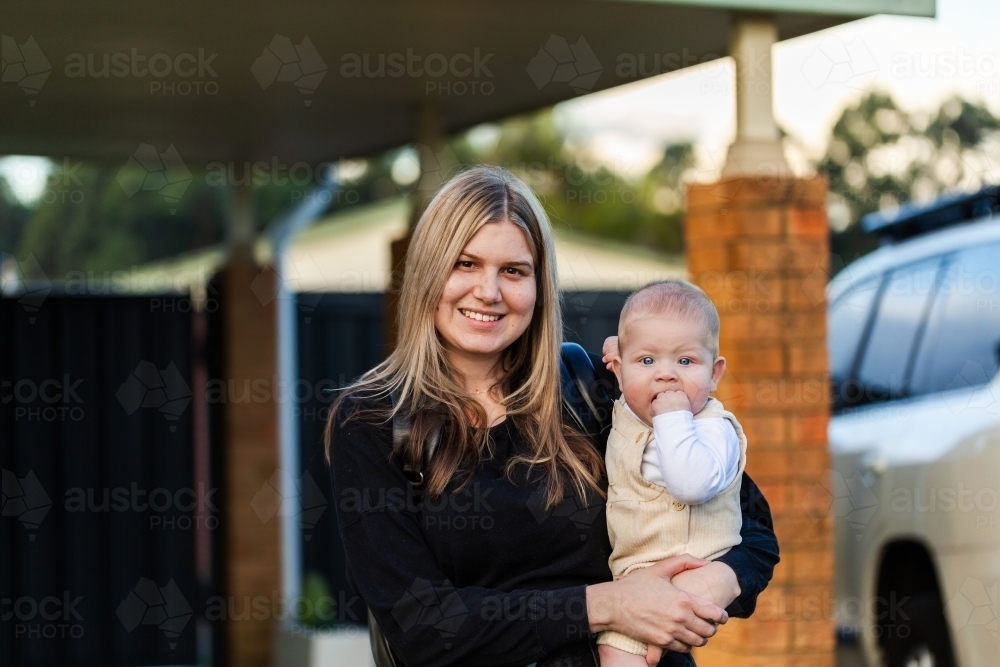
x=914 y=340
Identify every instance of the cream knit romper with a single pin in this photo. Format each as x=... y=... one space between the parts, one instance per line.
x=646 y=524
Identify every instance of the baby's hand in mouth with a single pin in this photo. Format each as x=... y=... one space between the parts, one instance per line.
x=670 y=401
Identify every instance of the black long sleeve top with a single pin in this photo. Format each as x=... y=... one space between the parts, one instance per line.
x=485 y=575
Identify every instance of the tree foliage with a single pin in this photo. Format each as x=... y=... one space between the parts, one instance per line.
x=880 y=156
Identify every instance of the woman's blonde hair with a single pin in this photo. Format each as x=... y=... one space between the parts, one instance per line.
x=417 y=371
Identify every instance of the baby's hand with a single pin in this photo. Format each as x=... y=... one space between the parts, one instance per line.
x=670 y=401
x=610 y=350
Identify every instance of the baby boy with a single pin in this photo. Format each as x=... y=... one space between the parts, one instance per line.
x=675 y=457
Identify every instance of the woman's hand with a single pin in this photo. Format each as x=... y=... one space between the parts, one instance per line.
x=610 y=351
x=716 y=582
x=646 y=606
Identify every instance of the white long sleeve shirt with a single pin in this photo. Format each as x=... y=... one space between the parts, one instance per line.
x=694 y=459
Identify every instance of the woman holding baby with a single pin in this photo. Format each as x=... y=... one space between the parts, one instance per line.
x=505 y=558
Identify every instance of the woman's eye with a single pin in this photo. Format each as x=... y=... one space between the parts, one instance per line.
x=646 y=361
x=464 y=265
x=512 y=271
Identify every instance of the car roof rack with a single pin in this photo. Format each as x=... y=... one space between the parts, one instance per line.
x=909 y=220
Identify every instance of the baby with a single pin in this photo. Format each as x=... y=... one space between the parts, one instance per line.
x=675 y=457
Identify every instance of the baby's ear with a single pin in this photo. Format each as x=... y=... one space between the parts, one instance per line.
x=718 y=370
x=616 y=368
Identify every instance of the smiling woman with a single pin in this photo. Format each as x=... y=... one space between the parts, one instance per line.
x=482 y=537
x=483 y=249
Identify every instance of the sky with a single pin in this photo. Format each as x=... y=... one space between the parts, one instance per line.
x=920 y=62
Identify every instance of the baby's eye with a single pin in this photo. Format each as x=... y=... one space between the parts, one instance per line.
x=684 y=361
x=646 y=361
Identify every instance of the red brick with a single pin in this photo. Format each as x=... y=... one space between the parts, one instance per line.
x=763 y=254
x=764 y=429
x=758 y=247
x=777 y=325
x=758 y=223
x=707 y=257
x=809 y=192
x=776 y=494
x=768 y=466
x=799 y=529
x=817 y=635
x=808 y=357
x=772 y=635
x=807 y=222
x=809 y=427
x=813 y=659
x=708 y=227
x=785 y=392
x=709 y=196
x=807 y=292
x=814 y=566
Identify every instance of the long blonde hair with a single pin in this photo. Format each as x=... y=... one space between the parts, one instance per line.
x=418 y=373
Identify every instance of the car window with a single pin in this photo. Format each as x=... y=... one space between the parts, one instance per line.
x=901 y=311
x=960 y=346
x=847 y=319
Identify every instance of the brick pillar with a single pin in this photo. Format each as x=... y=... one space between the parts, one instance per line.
x=249 y=457
x=759 y=248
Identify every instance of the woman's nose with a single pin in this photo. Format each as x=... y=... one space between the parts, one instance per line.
x=487 y=288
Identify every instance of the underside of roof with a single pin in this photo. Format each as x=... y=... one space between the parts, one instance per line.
x=316 y=81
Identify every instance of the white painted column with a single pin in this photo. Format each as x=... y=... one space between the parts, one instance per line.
x=757 y=149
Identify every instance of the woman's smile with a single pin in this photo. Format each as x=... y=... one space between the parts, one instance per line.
x=481 y=317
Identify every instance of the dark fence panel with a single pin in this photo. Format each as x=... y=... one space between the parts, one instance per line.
x=340 y=338
x=97 y=538
x=590 y=317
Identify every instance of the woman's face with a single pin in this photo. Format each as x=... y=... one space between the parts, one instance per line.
x=489 y=296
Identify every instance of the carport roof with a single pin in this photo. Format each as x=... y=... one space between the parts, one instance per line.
x=288 y=81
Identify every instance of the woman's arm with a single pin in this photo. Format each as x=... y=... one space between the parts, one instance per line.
x=646 y=606
x=754 y=559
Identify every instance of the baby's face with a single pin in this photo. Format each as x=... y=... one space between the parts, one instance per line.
x=667 y=353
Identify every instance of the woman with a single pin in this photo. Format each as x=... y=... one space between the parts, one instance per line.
x=503 y=560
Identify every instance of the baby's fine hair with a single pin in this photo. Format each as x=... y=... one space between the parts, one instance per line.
x=674 y=297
